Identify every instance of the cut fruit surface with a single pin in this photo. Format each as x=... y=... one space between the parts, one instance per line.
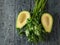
x=22 y=19
x=47 y=22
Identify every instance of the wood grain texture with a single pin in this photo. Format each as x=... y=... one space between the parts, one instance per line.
x=9 y=10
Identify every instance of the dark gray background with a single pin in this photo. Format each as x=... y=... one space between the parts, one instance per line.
x=9 y=10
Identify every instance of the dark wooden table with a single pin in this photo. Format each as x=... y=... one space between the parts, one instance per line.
x=9 y=10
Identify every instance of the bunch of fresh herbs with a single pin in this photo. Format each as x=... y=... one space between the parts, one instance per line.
x=33 y=29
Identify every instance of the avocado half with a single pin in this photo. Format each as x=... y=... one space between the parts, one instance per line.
x=47 y=21
x=22 y=19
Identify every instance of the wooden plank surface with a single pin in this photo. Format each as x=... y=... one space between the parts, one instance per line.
x=9 y=10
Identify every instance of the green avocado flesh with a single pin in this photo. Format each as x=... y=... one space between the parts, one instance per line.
x=22 y=19
x=47 y=22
